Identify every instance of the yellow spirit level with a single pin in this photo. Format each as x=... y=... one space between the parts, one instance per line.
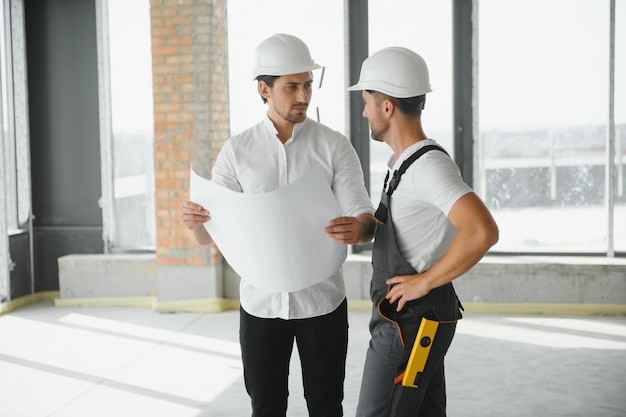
x=420 y=351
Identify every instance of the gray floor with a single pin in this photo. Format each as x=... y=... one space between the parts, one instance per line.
x=90 y=362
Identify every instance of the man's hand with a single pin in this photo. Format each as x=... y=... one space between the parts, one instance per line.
x=346 y=230
x=193 y=217
x=406 y=288
x=476 y=233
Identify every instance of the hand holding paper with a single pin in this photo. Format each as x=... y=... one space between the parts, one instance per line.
x=346 y=230
x=276 y=240
x=193 y=217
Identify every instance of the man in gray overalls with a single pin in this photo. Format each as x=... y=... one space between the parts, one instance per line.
x=434 y=229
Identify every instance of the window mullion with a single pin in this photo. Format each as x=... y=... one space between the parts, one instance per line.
x=610 y=146
x=106 y=136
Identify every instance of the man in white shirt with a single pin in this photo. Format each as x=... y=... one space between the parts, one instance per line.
x=436 y=229
x=280 y=149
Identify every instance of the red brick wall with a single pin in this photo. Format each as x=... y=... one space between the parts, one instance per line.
x=190 y=87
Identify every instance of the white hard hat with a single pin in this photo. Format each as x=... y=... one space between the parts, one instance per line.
x=282 y=54
x=395 y=71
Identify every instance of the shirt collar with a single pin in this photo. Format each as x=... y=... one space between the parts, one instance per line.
x=410 y=151
x=296 y=129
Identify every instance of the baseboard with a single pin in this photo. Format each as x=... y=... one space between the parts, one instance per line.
x=215 y=305
x=140 y=302
x=207 y=305
x=557 y=309
x=26 y=300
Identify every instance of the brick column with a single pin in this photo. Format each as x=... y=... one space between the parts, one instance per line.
x=190 y=86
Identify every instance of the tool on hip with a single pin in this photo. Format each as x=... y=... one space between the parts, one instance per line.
x=419 y=353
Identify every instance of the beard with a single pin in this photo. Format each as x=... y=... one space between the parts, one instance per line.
x=293 y=116
x=378 y=132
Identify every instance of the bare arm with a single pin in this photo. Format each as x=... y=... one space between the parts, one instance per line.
x=193 y=217
x=476 y=233
x=357 y=230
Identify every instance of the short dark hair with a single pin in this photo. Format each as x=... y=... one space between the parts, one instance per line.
x=411 y=106
x=269 y=80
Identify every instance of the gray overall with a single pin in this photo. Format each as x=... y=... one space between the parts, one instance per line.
x=393 y=333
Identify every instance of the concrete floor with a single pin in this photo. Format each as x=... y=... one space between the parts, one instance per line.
x=91 y=362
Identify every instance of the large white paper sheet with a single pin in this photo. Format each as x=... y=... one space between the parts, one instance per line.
x=275 y=240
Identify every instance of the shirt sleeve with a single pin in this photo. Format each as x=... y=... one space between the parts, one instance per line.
x=224 y=171
x=348 y=183
x=439 y=181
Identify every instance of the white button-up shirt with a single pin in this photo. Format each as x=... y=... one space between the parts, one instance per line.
x=256 y=161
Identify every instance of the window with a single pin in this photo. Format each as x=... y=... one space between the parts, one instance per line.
x=14 y=143
x=542 y=105
x=543 y=94
x=127 y=125
x=14 y=120
x=7 y=164
x=619 y=227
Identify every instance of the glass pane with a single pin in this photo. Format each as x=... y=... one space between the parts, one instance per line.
x=8 y=132
x=620 y=126
x=249 y=22
x=132 y=123
x=543 y=113
x=19 y=105
x=7 y=192
x=425 y=26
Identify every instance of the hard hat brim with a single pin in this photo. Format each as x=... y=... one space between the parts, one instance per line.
x=275 y=71
x=389 y=89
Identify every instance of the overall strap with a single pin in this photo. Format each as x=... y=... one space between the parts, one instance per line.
x=381 y=213
x=395 y=180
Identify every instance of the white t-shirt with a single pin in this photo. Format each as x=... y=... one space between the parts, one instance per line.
x=256 y=161
x=420 y=205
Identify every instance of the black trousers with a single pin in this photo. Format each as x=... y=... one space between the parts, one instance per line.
x=266 y=346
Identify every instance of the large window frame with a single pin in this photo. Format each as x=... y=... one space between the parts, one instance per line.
x=15 y=188
x=466 y=127
x=125 y=198
x=558 y=215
